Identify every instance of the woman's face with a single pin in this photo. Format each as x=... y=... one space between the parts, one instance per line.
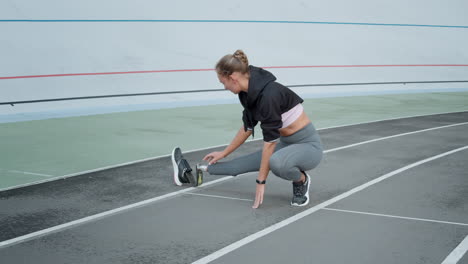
x=230 y=83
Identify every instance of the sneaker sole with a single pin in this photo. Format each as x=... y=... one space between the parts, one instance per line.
x=199 y=176
x=307 y=194
x=176 y=169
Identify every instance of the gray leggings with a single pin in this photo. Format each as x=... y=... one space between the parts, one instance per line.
x=298 y=152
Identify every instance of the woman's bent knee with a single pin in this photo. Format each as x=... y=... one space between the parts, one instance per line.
x=276 y=165
x=282 y=170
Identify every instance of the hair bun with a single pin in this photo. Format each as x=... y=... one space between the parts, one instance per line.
x=240 y=55
x=231 y=63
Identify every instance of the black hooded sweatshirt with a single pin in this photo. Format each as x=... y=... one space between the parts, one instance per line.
x=264 y=102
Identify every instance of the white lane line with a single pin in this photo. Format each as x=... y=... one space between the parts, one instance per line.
x=107 y=213
x=314 y=209
x=200 y=149
x=394 y=136
x=139 y=204
x=457 y=253
x=396 y=216
x=392 y=119
x=31 y=173
x=222 y=197
x=57 y=228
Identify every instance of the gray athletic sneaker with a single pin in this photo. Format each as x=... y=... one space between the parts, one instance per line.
x=183 y=172
x=301 y=192
x=181 y=167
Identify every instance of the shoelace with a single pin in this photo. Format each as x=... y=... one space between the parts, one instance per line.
x=185 y=165
x=298 y=190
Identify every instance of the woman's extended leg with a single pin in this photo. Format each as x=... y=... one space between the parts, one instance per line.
x=247 y=163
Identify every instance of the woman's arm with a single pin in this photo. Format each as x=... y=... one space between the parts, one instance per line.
x=268 y=149
x=238 y=140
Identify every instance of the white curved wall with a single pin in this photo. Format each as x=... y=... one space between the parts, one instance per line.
x=48 y=48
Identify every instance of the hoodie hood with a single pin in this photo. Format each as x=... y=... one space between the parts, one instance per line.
x=259 y=79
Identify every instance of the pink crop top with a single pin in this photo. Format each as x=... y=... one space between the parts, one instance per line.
x=292 y=115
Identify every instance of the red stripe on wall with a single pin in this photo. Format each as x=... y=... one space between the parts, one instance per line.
x=195 y=70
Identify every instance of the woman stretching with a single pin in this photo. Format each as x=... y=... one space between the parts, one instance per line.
x=291 y=146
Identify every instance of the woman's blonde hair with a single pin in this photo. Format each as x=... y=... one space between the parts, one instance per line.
x=231 y=63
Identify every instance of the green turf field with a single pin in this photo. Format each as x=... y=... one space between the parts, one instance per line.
x=37 y=150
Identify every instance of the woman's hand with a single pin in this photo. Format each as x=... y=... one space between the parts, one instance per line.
x=259 y=195
x=213 y=157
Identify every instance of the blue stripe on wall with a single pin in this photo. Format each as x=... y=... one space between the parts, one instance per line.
x=224 y=21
